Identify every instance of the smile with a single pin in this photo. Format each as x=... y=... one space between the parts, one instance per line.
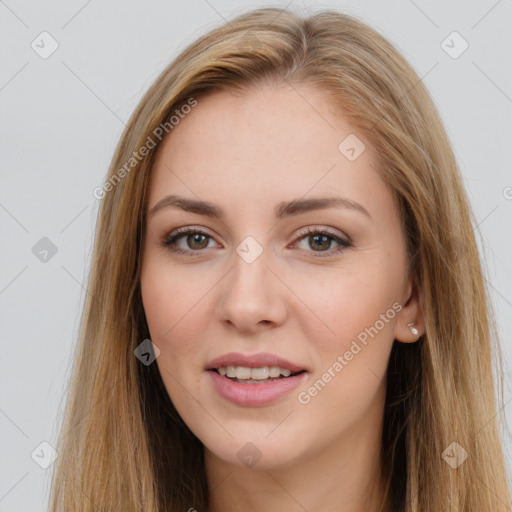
x=250 y=392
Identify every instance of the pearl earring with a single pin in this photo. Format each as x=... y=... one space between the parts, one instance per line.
x=413 y=329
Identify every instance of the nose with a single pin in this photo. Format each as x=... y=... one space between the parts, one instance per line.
x=251 y=297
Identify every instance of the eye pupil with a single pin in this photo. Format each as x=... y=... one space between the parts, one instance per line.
x=323 y=237
x=195 y=238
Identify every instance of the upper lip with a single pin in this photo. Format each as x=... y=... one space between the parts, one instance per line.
x=252 y=361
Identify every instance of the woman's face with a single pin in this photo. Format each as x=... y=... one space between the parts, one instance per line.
x=250 y=282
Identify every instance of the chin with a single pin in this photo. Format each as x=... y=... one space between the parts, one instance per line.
x=257 y=453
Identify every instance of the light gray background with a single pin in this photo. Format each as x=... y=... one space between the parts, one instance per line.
x=62 y=117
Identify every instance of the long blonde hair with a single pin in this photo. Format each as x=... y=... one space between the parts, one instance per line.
x=124 y=447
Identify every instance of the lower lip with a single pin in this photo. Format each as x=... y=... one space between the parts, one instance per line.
x=253 y=395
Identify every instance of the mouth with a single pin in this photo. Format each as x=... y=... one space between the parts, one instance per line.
x=245 y=391
x=263 y=375
x=252 y=380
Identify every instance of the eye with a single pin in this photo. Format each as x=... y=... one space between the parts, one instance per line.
x=322 y=239
x=196 y=240
x=193 y=236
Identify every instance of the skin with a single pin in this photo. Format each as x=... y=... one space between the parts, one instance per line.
x=246 y=153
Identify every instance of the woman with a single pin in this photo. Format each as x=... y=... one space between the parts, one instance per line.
x=286 y=305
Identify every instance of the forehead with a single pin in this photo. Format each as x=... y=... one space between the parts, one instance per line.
x=279 y=117
x=268 y=144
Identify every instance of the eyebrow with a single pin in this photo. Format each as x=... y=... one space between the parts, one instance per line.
x=282 y=210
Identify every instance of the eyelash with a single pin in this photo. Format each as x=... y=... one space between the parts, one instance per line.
x=169 y=240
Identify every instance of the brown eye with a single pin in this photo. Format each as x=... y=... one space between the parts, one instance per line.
x=320 y=241
x=195 y=240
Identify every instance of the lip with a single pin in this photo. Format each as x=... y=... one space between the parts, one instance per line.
x=254 y=395
x=253 y=361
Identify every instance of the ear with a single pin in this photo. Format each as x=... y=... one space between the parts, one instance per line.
x=411 y=312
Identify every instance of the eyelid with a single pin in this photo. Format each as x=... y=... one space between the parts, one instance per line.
x=181 y=232
x=324 y=229
x=343 y=241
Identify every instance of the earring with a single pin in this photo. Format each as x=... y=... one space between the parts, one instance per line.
x=413 y=329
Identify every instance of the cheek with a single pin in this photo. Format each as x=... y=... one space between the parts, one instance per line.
x=173 y=307
x=352 y=342
x=171 y=296
x=177 y=323
x=174 y=326
x=345 y=310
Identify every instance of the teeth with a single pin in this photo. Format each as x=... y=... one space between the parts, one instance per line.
x=244 y=372
x=274 y=371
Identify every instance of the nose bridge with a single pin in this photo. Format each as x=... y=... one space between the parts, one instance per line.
x=249 y=295
x=249 y=277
